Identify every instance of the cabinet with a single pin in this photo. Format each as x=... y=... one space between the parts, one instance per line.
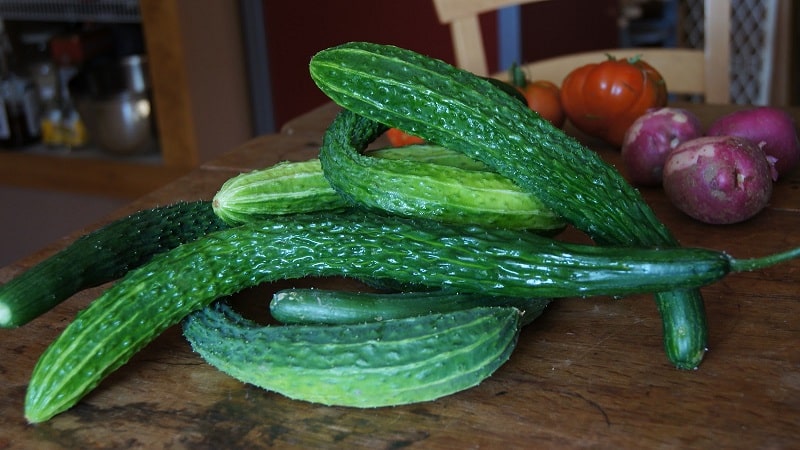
x=200 y=94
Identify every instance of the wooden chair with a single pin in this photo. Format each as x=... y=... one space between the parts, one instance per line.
x=686 y=71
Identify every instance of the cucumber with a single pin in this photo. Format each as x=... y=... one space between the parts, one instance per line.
x=393 y=362
x=428 y=181
x=456 y=109
x=467 y=259
x=284 y=188
x=322 y=306
x=101 y=256
x=430 y=153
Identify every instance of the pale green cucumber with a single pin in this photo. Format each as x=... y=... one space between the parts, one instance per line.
x=284 y=188
x=415 y=181
x=375 y=364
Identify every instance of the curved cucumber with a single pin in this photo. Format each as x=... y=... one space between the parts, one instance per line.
x=103 y=255
x=429 y=153
x=458 y=110
x=374 y=364
x=321 y=306
x=422 y=180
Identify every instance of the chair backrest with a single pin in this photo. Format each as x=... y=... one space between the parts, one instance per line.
x=686 y=71
x=465 y=29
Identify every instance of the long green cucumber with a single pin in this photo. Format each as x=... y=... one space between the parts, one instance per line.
x=428 y=181
x=374 y=364
x=103 y=255
x=330 y=307
x=458 y=110
x=497 y=262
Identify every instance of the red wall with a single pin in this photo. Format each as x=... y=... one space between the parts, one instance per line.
x=567 y=26
x=297 y=29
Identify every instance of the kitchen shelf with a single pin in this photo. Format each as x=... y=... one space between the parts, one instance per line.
x=87 y=152
x=106 y=11
x=85 y=171
x=194 y=122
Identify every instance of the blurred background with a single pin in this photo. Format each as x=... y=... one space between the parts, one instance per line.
x=104 y=101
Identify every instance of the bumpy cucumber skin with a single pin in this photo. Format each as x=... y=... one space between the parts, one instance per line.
x=468 y=259
x=429 y=185
x=458 y=110
x=285 y=188
x=322 y=306
x=414 y=189
x=367 y=365
x=103 y=255
x=430 y=153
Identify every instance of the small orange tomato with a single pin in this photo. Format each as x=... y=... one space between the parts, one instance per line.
x=544 y=97
x=399 y=138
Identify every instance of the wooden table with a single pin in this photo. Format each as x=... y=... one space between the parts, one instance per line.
x=589 y=373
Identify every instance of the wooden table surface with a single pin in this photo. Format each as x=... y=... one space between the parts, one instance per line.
x=589 y=373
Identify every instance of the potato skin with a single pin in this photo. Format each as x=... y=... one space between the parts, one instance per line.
x=771 y=128
x=718 y=179
x=651 y=138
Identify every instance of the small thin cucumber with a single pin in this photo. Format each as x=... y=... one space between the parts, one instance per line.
x=422 y=180
x=103 y=255
x=322 y=306
x=387 y=363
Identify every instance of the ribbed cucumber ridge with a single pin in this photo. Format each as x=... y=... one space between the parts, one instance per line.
x=284 y=188
x=364 y=365
x=456 y=109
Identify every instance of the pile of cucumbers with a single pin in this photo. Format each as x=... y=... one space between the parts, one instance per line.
x=456 y=236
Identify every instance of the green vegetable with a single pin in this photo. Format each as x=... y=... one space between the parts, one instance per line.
x=373 y=364
x=429 y=153
x=458 y=110
x=469 y=259
x=429 y=181
x=321 y=306
x=286 y=187
x=101 y=256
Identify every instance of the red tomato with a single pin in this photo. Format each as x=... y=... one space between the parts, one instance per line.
x=604 y=99
x=399 y=138
x=544 y=97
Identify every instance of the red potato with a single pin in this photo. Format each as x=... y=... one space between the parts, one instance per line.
x=772 y=128
x=718 y=179
x=651 y=137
